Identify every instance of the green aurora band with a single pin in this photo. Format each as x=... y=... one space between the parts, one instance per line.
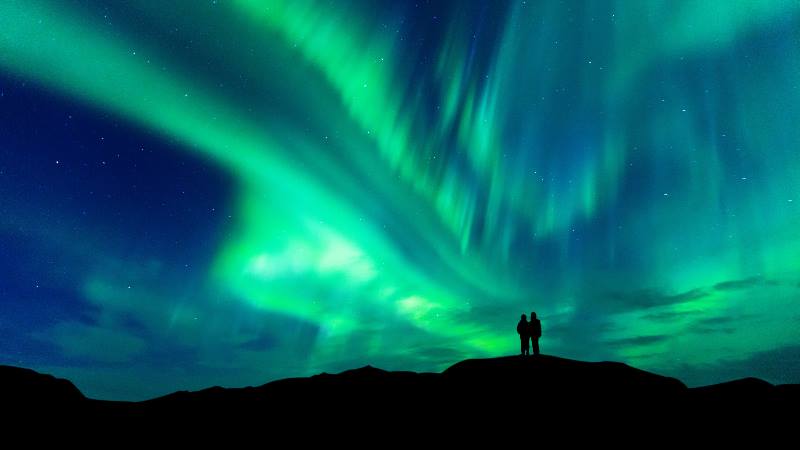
x=410 y=201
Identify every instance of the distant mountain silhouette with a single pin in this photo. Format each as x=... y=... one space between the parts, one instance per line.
x=25 y=386
x=494 y=393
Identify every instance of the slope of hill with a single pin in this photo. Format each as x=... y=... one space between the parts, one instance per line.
x=475 y=395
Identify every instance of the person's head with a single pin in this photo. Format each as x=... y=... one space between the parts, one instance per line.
x=523 y=317
x=533 y=315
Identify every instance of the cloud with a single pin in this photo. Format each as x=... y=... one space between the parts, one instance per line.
x=615 y=301
x=259 y=344
x=719 y=324
x=648 y=298
x=700 y=329
x=643 y=299
x=582 y=327
x=667 y=316
x=78 y=340
x=442 y=354
x=778 y=366
x=719 y=320
x=735 y=285
x=637 y=341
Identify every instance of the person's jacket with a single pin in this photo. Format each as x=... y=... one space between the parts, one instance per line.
x=536 y=328
x=522 y=328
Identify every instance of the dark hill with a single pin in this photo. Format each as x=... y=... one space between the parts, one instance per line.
x=583 y=378
x=477 y=394
x=25 y=386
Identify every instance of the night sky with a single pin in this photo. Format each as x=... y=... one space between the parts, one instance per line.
x=198 y=193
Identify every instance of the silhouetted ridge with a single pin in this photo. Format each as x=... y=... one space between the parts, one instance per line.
x=25 y=386
x=750 y=390
x=545 y=389
x=574 y=377
x=560 y=387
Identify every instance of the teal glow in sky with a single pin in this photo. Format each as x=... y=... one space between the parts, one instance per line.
x=231 y=192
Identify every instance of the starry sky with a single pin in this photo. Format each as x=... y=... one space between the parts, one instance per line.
x=198 y=193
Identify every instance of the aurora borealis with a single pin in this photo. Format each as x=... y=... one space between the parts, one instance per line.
x=229 y=192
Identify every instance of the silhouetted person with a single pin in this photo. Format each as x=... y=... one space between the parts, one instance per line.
x=523 y=329
x=535 y=332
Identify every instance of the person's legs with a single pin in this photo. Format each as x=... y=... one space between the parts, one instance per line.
x=535 y=341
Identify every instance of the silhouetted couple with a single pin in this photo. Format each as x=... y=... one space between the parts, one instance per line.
x=529 y=331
